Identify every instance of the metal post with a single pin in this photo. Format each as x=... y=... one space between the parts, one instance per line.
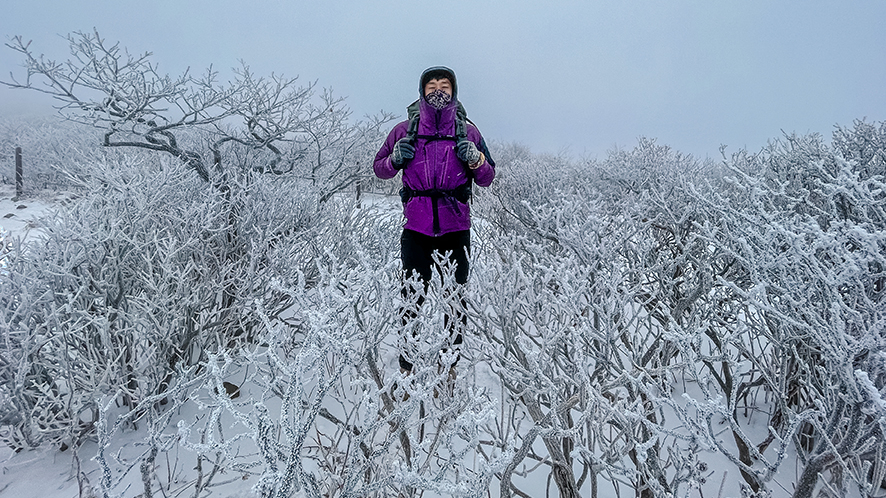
x=19 y=181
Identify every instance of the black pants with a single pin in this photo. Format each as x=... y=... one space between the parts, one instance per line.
x=417 y=255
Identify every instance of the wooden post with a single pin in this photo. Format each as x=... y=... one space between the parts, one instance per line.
x=359 y=187
x=18 y=172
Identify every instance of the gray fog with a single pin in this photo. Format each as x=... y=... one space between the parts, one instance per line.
x=580 y=77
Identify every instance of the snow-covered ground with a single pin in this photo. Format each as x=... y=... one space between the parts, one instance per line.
x=21 y=217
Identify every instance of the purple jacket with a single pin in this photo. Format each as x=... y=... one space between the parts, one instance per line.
x=435 y=166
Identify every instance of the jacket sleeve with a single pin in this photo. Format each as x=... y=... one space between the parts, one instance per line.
x=485 y=173
x=382 y=164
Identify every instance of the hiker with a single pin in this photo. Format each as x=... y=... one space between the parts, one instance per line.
x=441 y=154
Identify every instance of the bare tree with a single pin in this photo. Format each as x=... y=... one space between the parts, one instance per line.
x=198 y=119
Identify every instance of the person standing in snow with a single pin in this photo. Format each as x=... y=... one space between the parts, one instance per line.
x=441 y=154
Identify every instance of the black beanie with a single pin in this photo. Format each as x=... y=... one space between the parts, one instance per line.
x=436 y=73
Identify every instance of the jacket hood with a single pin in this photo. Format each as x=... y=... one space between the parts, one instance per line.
x=437 y=72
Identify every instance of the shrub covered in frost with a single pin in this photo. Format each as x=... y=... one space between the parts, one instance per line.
x=628 y=317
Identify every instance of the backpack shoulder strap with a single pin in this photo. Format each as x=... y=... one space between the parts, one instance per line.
x=461 y=128
x=412 y=130
x=412 y=112
x=461 y=133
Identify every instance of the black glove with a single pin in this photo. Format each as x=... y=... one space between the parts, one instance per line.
x=468 y=152
x=402 y=154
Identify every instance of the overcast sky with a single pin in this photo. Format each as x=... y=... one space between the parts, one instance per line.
x=578 y=76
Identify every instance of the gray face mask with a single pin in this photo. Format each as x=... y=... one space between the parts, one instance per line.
x=438 y=99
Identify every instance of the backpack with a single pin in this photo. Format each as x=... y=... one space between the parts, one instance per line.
x=461 y=129
x=462 y=193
